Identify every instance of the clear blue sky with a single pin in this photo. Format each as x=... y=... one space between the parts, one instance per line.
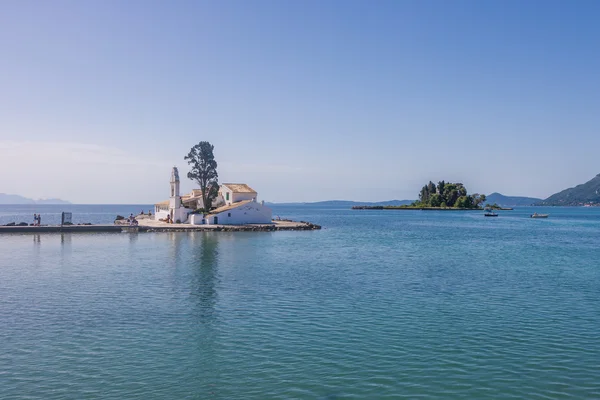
x=304 y=101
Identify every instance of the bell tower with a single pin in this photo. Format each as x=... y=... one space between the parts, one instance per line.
x=175 y=201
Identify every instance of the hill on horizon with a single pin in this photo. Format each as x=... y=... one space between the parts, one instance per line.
x=16 y=199
x=510 y=201
x=586 y=193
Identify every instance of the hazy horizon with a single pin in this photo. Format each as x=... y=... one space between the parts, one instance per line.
x=42 y=198
x=306 y=101
x=266 y=201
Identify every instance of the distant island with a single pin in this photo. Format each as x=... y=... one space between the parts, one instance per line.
x=443 y=196
x=16 y=199
x=586 y=194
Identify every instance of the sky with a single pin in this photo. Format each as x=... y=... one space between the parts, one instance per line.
x=304 y=101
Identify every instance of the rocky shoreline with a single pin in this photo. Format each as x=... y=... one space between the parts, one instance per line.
x=414 y=208
x=119 y=227
x=148 y=224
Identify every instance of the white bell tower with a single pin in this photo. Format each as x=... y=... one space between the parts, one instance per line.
x=175 y=200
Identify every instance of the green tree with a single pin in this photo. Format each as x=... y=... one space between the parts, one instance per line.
x=431 y=188
x=464 y=202
x=451 y=193
x=424 y=195
x=204 y=171
x=435 y=200
x=477 y=199
x=440 y=187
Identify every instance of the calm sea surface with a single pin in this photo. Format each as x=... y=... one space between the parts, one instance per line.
x=378 y=304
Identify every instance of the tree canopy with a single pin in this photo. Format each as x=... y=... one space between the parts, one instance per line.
x=447 y=194
x=204 y=171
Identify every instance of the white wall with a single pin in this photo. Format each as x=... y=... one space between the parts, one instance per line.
x=174 y=202
x=160 y=215
x=224 y=191
x=181 y=214
x=235 y=197
x=196 y=219
x=243 y=196
x=250 y=213
x=178 y=214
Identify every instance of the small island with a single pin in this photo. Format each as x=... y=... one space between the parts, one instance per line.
x=445 y=196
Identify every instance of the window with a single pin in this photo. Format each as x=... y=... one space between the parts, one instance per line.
x=227 y=196
x=229 y=214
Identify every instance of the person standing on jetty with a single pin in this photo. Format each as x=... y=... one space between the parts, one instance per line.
x=34 y=219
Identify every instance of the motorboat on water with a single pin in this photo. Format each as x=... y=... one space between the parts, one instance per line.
x=536 y=215
x=490 y=214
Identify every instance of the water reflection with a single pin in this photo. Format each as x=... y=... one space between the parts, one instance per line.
x=65 y=243
x=204 y=264
x=37 y=246
x=175 y=238
x=203 y=267
x=133 y=237
x=65 y=239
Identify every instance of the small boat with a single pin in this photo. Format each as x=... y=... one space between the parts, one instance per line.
x=536 y=215
x=490 y=214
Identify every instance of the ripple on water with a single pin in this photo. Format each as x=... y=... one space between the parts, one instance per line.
x=341 y=313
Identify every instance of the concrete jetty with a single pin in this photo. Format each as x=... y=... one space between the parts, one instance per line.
x=148 y=225
x=58 y=228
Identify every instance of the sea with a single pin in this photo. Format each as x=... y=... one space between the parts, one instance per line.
x=379 y=304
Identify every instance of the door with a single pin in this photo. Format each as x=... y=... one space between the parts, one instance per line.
x=216 y=221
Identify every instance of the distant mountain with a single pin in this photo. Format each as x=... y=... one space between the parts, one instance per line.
x=347 y=203
x=586 y=193
x=16 y=199
x=510 y=201
x=52 y=201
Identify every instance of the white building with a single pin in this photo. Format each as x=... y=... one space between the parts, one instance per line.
x=236 y=205
x=236 y=192
x=241 y=213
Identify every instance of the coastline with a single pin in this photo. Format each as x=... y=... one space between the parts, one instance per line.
x=414 y=208
x=424 y=208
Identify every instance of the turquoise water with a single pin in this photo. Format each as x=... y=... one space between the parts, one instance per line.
x=379 y=304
